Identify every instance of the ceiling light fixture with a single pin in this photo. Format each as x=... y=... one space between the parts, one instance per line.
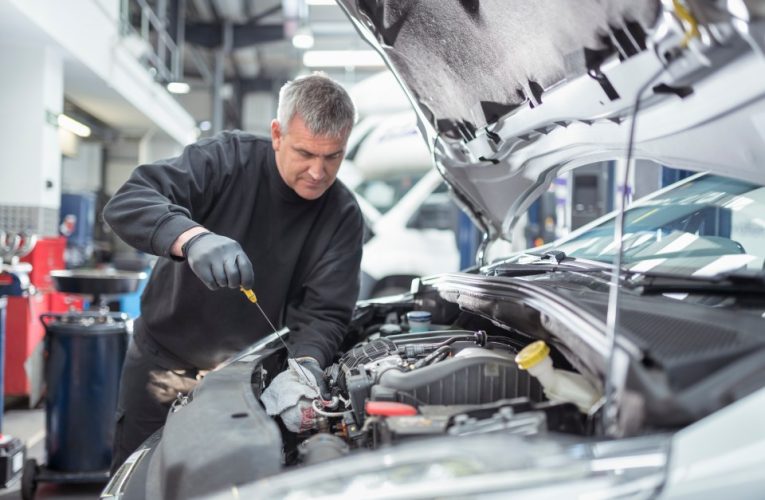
x=342 y=59
x=316 y=3
x=178 y=87
x=303 y=39
x=73 y=126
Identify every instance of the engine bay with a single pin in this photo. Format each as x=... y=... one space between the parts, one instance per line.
x=470 y=371
x=397 y=386
x=495 y=362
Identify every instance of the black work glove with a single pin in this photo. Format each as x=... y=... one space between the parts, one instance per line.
x=311 y=365
x=218 y=261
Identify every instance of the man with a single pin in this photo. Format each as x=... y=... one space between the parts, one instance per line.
x=238 y=210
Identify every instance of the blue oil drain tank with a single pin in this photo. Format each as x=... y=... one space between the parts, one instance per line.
x=84 y=357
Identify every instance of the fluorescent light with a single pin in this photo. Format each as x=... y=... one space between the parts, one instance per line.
x=342 y=58
x=73 y=125
x=315 y=3
x=178 y=87
x=302 y=40
x=205 y=126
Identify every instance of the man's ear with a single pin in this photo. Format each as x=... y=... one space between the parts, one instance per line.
x=276 y=134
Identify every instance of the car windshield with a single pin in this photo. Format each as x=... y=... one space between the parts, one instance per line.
x=705 y=226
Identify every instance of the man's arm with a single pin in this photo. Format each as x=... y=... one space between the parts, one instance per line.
x=329 y=294
x=155 y=209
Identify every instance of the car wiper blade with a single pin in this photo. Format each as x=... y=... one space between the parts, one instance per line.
x=554 y=256
x=550 y=261
x=742 y=282
x=550 y=256
x=516 y=270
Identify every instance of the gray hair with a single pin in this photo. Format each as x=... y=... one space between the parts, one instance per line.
x=321 y=102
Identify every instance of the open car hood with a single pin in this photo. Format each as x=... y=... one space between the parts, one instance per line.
x=511 y=93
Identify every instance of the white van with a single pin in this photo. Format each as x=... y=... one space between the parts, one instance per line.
x=410 y=216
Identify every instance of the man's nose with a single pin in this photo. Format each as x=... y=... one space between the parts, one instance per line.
x=316 y=171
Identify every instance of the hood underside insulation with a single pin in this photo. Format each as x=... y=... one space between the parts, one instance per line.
x=469 y=62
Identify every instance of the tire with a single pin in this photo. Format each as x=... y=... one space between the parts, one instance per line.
x=29 y=479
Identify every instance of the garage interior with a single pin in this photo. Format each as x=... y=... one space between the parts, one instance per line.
x=93 y=88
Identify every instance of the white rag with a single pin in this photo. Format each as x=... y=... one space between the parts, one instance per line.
x=290 y=395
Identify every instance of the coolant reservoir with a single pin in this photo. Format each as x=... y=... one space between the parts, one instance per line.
x=559 y=385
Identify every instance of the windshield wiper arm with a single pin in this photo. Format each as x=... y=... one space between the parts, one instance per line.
x=554 y=256
x=550 y=261
x=742 y=282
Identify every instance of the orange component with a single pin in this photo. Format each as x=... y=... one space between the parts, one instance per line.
x=389 y=409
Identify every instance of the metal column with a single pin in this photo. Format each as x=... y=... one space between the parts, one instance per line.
x=219 y=77
x=468 y=240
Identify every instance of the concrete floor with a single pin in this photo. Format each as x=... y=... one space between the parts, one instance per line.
x=29 y=426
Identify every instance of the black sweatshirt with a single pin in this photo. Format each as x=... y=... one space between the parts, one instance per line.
x=305 y=254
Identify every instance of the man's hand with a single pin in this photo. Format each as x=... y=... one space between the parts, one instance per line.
x=219 y=262
x=311 y=365
x=292 y=392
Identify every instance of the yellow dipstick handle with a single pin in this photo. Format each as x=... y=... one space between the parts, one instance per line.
x=254 y=299
x=250 y=294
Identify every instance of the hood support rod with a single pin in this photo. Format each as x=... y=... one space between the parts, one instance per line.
x=616 y=368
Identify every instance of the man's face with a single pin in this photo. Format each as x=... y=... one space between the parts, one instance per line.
x=308 y=163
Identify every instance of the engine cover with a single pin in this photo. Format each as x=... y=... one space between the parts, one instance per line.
x=473 y=376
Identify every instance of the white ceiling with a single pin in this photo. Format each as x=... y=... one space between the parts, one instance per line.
x=81 y=86
x=274 y=60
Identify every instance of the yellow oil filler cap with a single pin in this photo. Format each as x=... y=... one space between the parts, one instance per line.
x=532 y=354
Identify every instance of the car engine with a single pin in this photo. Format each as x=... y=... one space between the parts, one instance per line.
x=414 y=385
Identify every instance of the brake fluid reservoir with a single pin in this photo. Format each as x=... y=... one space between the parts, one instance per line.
x=559 y=385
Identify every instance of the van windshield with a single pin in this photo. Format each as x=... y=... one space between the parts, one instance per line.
x=384 y=193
